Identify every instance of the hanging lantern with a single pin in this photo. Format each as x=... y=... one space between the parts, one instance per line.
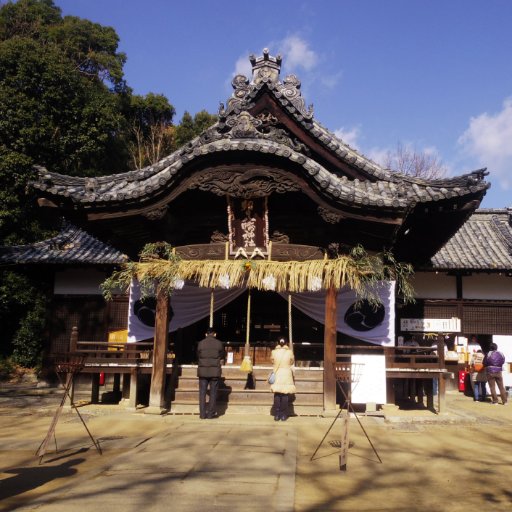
x=225 y=281
x=315 y=284
x=269 y=283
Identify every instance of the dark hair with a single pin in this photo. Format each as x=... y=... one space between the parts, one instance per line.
x=493 y=346
x=210 y=331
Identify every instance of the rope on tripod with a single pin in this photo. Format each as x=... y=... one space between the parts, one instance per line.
x=211 y=309
x=290 y=325
x=246 y=365
x=248 y=326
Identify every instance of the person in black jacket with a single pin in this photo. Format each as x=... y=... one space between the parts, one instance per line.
x=211 y=355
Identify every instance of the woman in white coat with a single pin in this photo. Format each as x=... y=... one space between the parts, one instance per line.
x=284 y=384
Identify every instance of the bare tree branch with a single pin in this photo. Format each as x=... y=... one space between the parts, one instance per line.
x=414 y=163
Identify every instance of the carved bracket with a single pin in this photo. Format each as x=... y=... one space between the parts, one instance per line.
x=329 y=216
x=156 y=214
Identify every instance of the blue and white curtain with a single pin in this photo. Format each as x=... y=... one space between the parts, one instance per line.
x=192 y=303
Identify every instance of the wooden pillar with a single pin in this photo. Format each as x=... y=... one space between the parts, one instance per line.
x=330 y=350
x=134 y=387
x=73 y=340
x=125 y=389
x=441 y=387
x=73 y=345
x=95 y=388
x=157 y=388
x=117 y=384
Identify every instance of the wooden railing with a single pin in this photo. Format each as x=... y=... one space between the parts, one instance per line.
x=107 y=352
x=404 y=357
x=103 y=352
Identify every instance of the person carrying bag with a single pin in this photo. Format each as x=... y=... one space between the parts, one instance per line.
x=283 y=384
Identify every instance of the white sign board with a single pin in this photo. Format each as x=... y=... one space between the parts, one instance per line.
x=504 y=345
x=430 y=324
x=369 y=376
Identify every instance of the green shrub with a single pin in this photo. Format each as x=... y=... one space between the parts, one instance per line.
x=28 y=341
x=6 y=368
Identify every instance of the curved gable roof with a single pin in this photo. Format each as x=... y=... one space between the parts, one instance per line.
x=247 y=127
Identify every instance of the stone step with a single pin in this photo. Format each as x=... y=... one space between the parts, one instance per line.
x=240 y=385
x=237 y=409
x=253 y=396
x=260 y=373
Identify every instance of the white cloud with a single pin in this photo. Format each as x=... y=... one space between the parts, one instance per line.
x=378 y=155
x=243 y=67
x=331 y=81
x=297 y=53
x=489 y=140
x=349 y=136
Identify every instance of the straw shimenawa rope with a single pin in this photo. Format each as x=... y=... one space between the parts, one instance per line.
x=358 y=271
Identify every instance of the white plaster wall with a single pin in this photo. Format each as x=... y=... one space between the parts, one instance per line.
x=487 y=286
x=429 y=285
x=78 y=282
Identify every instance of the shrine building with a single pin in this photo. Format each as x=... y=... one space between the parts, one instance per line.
x=266 y=183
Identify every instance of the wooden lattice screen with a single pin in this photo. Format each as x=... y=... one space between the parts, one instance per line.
x=475 y=318
x=441 y=310
x=487 y=319
x=92 y=315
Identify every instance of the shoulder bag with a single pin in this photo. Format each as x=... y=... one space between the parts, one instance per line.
x=272 y=377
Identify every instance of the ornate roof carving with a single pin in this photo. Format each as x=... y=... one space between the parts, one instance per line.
x=329 y=216
x=266 y=71
x=244 y=184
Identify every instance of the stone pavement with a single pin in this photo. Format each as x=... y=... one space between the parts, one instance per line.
x=249 y=462
x=191 y=467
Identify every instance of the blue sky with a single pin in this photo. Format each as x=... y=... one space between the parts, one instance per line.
x=434 y=75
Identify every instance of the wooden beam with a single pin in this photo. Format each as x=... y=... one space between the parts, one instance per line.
x=330 y=350
x=157 y=389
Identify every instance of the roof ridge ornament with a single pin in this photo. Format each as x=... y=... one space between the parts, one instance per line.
x=265 y=73
x=265 y=68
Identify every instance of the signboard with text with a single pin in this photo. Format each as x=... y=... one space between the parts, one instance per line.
x=430 y=324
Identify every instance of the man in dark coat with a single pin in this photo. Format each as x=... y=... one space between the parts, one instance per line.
x=211 y=355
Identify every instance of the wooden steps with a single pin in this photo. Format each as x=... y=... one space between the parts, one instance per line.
x=239 y=392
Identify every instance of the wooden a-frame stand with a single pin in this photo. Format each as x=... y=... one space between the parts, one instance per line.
x=69 y=367
x=347 y=375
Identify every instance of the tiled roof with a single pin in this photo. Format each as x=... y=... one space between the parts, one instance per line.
x=70 y=246
x=237 y=130
x=484 y=242
x=394 y=193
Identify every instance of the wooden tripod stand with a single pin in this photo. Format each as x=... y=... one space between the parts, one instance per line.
x=347 y=377
x=66 y=369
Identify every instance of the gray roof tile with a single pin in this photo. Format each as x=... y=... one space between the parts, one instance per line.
x=484 y=242
x=71 y=246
